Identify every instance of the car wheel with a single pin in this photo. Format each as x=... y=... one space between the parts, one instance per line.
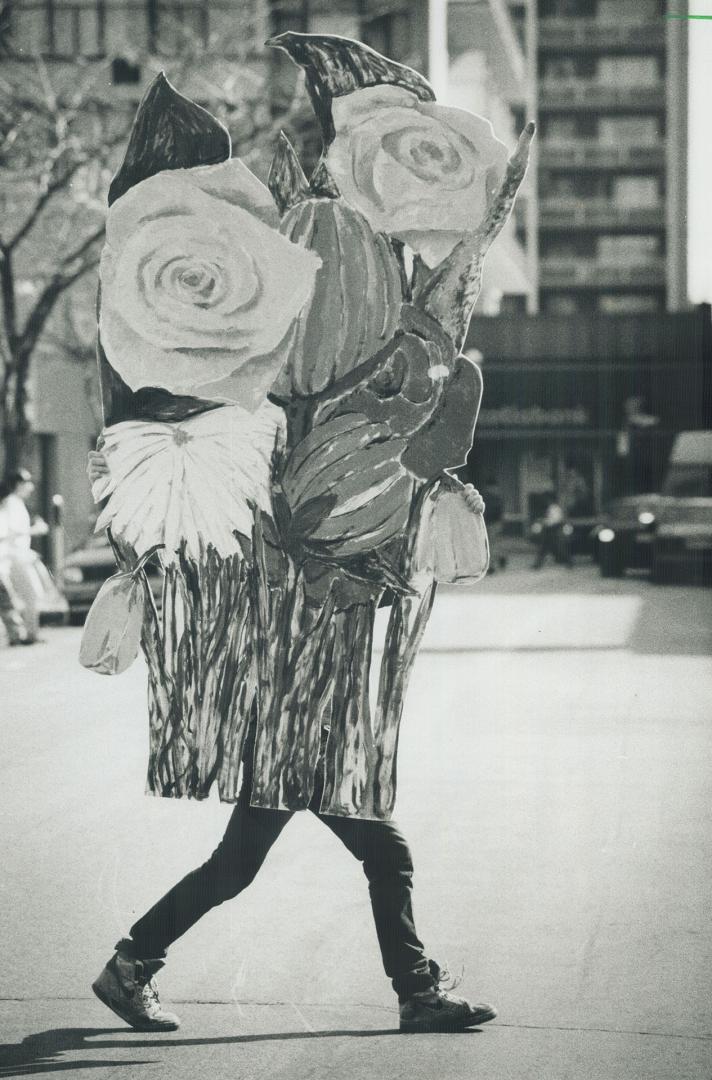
x=610 y=561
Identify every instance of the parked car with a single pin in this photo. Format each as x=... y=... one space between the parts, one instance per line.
x=85 y=571
x=666 y=529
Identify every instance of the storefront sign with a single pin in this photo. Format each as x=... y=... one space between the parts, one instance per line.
x=534 y=416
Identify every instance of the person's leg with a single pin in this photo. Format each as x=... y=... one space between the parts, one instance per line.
x=126 y=983
x=387 y=863
x=388 y=866
x=11 y=613
x=234 y=864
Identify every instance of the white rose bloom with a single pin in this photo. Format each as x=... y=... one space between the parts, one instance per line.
x=189 y=483
x=198 y=288
x=419 y=171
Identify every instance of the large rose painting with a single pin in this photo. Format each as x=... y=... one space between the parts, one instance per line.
x=198 y=286
x=416 y=170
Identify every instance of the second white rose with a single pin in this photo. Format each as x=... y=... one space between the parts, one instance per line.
x=419 y=171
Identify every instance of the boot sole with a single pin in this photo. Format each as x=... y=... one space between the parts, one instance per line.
x=126 y=1016
x=473 y=1020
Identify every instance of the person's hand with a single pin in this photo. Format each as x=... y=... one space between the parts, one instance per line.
x=473 y=499
x=96 y=466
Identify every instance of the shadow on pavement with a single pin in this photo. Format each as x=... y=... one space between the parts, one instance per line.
x=37 y=1053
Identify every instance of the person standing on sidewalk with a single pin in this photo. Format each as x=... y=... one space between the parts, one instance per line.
x=18 y=489
x=11 y=606
x=126 y=984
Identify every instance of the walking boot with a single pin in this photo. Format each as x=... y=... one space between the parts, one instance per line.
x=126 y=985
x=437 y=1010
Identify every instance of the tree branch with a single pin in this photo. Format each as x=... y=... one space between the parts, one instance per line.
x=44 y=306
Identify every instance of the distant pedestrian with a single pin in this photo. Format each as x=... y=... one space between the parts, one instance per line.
x=18 y=530
x=11 y=606
x=552 y=539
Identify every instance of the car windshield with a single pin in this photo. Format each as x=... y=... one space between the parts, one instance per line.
x=689 y=481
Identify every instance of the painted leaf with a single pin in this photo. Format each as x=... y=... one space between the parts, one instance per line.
x=446 y=439
x=402 y=390
x=169 y=132
x=287 y=181
x=346 y=487
x=357 y=296
x=112 y=632
x=334 y=66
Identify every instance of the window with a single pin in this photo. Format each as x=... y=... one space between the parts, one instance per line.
x=568 y=246
x=637 y=11
x=628 y=70
x=629 y=130
x=124 y=72
x=576 y=8
x=628 y=250
x=387 y=34
x=343 y=24
x=628 y=303
x=559 y=128
x=578 y=185
x=564 y=68
x=561 y=305
x=636 y=191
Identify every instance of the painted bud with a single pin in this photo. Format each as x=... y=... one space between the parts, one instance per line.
x=357 y=297
x=112 y=631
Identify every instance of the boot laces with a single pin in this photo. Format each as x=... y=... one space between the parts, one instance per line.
x=447 y=981
x=149 y=995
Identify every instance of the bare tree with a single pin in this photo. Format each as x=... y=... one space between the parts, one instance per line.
x=60 y=141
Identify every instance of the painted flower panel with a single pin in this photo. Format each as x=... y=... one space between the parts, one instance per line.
x=190 y=483
x=419 y=171
x=198 y=286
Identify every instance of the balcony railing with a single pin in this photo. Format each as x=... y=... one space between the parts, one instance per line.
x=594 y=155
x=591 y=34
x=598 y=214
x=587 y=273
x=564 y=95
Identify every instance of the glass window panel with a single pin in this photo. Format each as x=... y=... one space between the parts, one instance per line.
x=89 y=44
x=640 y=191
x=628 y=70
x=66 y=35
x=638 y=11
x=627 y=303
x=29 y=30
x=340 y=23
x=629 y=130
x=628 y=250
x=126 y=29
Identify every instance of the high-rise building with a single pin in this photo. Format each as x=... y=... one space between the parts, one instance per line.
x=612 y=177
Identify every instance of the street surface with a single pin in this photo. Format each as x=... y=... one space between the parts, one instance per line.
x=555 y=787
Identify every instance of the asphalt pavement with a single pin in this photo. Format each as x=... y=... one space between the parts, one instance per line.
x=555 y=788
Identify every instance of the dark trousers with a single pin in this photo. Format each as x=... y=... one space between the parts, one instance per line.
x=250 y=833
x=552 y=542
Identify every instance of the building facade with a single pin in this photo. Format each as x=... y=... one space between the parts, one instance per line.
x=586 y=407
x=612 y=183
